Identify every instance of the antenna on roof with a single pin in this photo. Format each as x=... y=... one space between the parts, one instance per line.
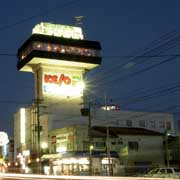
x=79 y=20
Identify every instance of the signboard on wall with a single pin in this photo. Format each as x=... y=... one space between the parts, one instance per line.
x=61 y=84
x=3 y=139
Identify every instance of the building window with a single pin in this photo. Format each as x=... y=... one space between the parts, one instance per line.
x=120 y=142
x=168 y=125
x=142 y=123
x=59 y=48
x=69 y=146
x=152 y=124
x=53 y=148
x=85 y=145
x=161 y=124
x=113 y=142
x=129 y=123
x=133 y=146
x=100 y=144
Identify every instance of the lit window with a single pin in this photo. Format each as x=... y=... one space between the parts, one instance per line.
x=63 y=50
x=22 y=57
x=39 y=46
x=49 y=48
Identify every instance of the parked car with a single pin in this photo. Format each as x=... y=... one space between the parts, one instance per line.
x=163 y=173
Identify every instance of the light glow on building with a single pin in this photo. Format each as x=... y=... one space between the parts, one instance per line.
x=22 y=126
x=72 y=161
x=44 y=145
x=58 y=30
x=111 y=107
x=3 y=138
x=62 y=149
x=26 y=153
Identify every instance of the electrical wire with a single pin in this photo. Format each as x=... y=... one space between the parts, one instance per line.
x=41 y=14
x=137 y=60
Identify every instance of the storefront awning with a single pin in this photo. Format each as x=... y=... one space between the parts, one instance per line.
x=79 y=154
x=51 y=156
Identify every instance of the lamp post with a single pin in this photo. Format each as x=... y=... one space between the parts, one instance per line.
x=107 y=137
x=166 y=147
x=90 y=159
x=87 y=112
x=90 y=140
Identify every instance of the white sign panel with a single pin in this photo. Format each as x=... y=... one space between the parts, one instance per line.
x=61 y=84
x=3 y=139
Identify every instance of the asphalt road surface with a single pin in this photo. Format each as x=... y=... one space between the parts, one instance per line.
x=6 y=176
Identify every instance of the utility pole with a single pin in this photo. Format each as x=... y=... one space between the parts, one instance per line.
x=107 y=137
x=90 y=140
x=38 y=122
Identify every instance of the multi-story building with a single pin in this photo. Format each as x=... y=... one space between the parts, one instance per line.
x=58 y=56
x=25 y=136
x=75 y=138
x=155 y=121
x=70 y=150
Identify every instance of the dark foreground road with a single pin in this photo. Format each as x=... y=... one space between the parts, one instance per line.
x=44 y=177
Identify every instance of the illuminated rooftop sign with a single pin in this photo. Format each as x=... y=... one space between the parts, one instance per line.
x=58 y=30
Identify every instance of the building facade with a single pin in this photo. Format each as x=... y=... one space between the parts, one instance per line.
x=155 y=121
x=70 y=151
x=26 y=137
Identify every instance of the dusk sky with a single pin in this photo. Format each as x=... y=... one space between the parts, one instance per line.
x=125 y=28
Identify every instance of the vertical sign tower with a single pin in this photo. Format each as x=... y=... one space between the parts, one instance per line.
x=58 y=56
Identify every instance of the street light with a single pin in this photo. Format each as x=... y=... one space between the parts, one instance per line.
x=91 y=147
x=44 y=145
x=107 y=137
x=166 y=146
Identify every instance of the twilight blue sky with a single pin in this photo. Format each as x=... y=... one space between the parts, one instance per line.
x=124 y=28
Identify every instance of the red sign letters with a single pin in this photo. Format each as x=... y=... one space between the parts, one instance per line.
x=55 y=79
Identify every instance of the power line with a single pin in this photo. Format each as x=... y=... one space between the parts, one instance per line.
x=145 y=91
x=141 y=56
x=43 y=13
x=125 y=77
x=153 y=95
x=137 y=59
x=158 y=92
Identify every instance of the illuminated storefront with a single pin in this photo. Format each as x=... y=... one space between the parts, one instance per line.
x=69 y=153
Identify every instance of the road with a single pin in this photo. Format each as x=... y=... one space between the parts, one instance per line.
x=5 y=176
